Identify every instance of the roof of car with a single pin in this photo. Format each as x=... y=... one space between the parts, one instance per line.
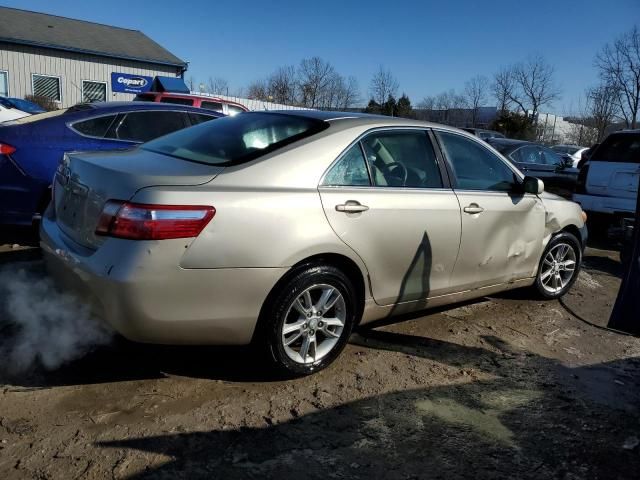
x=509 y=142
x=128 y=106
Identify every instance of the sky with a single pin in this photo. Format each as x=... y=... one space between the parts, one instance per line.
x=430 y=46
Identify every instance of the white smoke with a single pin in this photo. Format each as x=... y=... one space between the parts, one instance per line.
x=41 y=325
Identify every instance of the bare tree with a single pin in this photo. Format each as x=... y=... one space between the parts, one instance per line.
x=191 y=82
x=475 y=91
x=602 y=107
x=283 y=85
x=218 y=86
x=258 y=90
x=351 y=94
x=619 y=65
x=383 y=85
x=427 y=103
x=535 y=85
x=503 y=88
x=314 y=74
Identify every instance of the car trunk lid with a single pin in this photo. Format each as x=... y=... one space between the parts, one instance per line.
x=85 y=181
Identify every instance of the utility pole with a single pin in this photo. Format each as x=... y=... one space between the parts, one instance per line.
x=626 y=311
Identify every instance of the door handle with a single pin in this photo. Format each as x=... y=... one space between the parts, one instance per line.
x=473 y=208
x=351 y=206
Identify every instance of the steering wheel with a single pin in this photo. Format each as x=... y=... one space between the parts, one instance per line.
x=386 y=168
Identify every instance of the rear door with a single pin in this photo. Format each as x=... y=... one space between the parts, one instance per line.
x=502 y=229
x=395 y=209
x=615 y=166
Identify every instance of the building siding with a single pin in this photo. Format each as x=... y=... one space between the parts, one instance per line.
x=21 y=61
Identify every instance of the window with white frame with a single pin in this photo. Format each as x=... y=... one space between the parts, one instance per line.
x=4 y=84
x=94 y=91
x=46 y=86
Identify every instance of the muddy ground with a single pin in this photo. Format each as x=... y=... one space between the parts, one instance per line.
x=505 y=387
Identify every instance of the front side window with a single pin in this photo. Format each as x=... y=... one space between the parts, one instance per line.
x=236 y=139
x=47 y=87
x=402 y=159
x=4 y=84
x=528 y=154
x=94 y=127
x=549 y=157
x=145 y=126
x=475 y=167
x=349 y=171
x=94 y=91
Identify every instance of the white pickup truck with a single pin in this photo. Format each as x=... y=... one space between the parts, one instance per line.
x=608 y=183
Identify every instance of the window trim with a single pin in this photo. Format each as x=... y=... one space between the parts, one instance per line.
x=6 y=72
x=444 y=174
x=58 y=77
x=106 y=88
x=485 y=146
x=71 y=125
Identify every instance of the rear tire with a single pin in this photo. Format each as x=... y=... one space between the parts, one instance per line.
x=559 y=266
x=308 y=320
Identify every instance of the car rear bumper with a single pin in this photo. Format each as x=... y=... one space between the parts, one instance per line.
x=604 y=204
x=139 y=289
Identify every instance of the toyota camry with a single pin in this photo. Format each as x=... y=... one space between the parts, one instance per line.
x=288 y=229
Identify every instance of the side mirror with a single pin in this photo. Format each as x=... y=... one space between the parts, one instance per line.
x=533 y=185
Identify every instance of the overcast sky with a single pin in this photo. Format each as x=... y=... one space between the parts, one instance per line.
x=430 y=46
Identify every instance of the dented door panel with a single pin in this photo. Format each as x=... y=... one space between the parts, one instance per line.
x=502 y=243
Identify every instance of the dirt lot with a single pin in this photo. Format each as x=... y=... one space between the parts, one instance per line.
x=506 y=387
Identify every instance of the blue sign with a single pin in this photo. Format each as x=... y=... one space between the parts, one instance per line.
x=126 y=83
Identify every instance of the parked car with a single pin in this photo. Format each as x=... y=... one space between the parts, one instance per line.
x=586 y=155
x=14 y=108
x=574 y=152
x=32 y=147
x=287 y=229
x=484 y=134
x=608 y=182
x=209 y=102
x=539 y=161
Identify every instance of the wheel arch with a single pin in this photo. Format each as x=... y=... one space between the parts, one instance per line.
x=348 y=266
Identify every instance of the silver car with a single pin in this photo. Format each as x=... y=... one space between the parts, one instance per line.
x=288 y=229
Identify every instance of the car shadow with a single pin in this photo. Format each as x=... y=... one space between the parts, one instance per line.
x=516 y=415
x=18 y=244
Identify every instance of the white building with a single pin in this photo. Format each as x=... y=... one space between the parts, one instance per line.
x=71 y=61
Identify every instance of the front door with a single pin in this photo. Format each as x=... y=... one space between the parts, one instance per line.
x=393 y=209
x=502 y=228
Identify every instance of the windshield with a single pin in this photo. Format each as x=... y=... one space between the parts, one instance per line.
x=236 y=139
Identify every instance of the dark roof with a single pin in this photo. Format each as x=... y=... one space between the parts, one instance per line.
x=61 y=33
x=134 y=105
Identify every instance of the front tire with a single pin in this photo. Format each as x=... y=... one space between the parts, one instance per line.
x=559 y=266
x=308 y=320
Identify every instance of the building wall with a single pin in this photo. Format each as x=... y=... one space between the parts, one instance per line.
x=21 y=61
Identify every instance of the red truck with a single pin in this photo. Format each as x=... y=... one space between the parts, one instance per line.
x=208 y=102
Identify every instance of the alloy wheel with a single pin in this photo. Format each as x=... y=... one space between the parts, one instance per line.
x=313 y=324
x=558 y=267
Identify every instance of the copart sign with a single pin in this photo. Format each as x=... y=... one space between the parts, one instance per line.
x=127 y=83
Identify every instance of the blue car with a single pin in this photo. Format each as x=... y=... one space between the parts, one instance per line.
x=31 y=147
x=20 y=104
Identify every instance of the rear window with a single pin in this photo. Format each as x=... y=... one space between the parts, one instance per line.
x=145 y=98
x=236 y=139
x=621 y=147
x=177 y=101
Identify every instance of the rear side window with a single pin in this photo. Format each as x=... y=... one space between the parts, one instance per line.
x=215 y=106
x=197 y=118
x=94 y=127
x=622 y=148
x=402 y=159
x=176 y=101
x=236 y=139
x=349 y=171
x=145 y=126
x=144 y=98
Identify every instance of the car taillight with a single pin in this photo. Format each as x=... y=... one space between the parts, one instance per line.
x=137 y=221
x=6 y=149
